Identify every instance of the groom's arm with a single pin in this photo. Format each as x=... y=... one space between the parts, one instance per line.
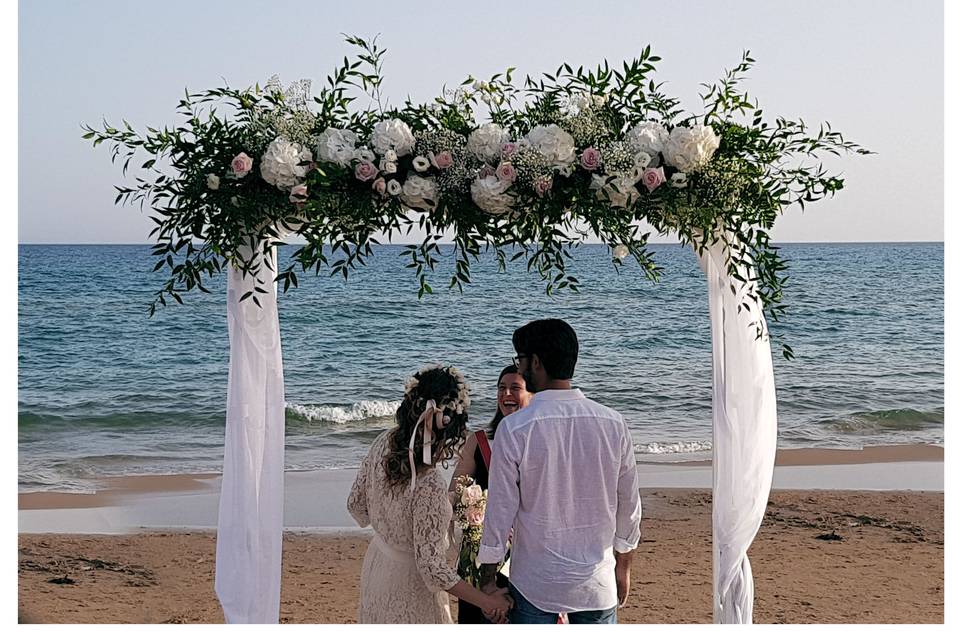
x=503 y=502
x=627 y=535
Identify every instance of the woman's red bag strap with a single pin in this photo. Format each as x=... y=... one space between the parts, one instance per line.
x=484 y=445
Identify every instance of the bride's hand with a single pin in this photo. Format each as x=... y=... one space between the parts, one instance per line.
x=499 y=603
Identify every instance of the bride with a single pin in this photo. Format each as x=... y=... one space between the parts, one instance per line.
x=398 y=490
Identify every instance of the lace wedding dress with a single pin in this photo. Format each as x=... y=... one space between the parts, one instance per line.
x=405 y=570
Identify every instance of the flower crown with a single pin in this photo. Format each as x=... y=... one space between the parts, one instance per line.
x=457 y=405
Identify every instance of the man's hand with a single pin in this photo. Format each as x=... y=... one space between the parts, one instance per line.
x=622 y=574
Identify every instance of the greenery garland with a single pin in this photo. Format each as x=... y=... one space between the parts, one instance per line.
x=571 y=154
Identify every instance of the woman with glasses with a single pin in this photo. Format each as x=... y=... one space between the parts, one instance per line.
x=512 y=395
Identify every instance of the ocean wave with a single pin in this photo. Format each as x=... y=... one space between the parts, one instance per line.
x=865 y=422
x=29 y=421
x=658 y=448
x=342 y=414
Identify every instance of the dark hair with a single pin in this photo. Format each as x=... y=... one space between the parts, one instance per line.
x=498 y=416
x=554 y=341
x=442 y=386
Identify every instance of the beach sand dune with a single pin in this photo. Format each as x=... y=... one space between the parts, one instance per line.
x=820 y=557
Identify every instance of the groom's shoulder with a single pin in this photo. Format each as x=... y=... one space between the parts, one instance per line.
x=601 y=410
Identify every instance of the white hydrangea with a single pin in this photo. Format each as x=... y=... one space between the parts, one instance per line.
x=647 y=137
x=619 y=191
x=417 y=191
x=490 y=194
x=485 y=142
x=392 y=135
x=690 y=148
x=555 y=144
x=337 y=146
x=281 y=163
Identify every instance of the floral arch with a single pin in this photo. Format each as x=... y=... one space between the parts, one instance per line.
x=603 y=153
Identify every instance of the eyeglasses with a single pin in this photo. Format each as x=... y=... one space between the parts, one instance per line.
x=517 y=358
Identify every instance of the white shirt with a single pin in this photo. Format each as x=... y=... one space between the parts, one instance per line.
x=564 y=476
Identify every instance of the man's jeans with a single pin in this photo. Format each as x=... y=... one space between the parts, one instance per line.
x=524 y=612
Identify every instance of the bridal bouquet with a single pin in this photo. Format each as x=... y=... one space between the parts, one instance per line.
x=468 y=512
x=524 y=171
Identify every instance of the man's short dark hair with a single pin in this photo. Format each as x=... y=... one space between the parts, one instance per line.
x=554 y=341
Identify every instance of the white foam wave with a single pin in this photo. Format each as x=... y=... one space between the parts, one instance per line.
x=692 y=446
x=358 y=411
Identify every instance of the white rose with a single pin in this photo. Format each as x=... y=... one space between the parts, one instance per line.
x=472 y=495
x=485 y=142
x=555 y=144
x=281 y=163
x=490 y=194
x=678 y=180
x=364 y=155
x=388 y=167
x=641 y=160
x=390 y=155
x=618 y=191
x=690 y=148
x=577 y=103
x=419 y=193
x=337 y=146
x=648 y=137
x=394 y=188
x=421 y=164
x=392 y=135
x=213 y=181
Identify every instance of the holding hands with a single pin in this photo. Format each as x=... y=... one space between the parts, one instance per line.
x=498 y=604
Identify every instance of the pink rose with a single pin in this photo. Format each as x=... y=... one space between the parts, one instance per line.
x=365 y=171
x=506 y=172
x=474 y=516
x=542 y=185
x=487 y=171
x=298 y=194
x=507 y=149
x=590 y=159
x=442 y=160
x=380 y=186
x=241 y=165
x=653 y=178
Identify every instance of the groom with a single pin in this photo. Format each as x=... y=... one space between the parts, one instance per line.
x=563 y=476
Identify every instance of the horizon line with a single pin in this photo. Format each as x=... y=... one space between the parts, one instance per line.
x=406 y=244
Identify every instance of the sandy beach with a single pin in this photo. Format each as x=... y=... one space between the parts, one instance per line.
x=821 y=556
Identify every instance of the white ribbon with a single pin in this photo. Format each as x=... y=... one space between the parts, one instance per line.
x=431 y=417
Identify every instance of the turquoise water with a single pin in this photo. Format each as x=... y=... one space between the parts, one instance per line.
x=105 y=390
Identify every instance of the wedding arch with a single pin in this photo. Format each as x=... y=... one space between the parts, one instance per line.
x=568 y=156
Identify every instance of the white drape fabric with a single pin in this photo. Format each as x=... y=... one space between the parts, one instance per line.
x=744 y=434
x=250 y=524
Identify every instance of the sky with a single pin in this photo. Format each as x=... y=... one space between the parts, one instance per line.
x=873 y=69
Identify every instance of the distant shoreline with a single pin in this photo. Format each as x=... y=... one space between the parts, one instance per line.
x=316 y=500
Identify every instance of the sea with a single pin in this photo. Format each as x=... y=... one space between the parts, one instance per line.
x=105 y=390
